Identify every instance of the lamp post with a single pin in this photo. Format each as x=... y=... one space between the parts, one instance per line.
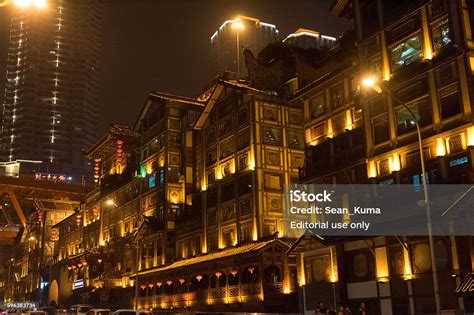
x=7 y=294
x=370 y=82
x=237 y=25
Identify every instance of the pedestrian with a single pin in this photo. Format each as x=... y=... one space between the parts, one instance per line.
x=322 y=308
x=317 y=311
x=341 y=310
x=347 y=311
x=332 y=311
x=362 y=310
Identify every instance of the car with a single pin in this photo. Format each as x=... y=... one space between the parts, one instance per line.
x=79 y=309
x=132 y=312
x=31 y=312
x=61 y=311
x=48 y=309
x=99 y=311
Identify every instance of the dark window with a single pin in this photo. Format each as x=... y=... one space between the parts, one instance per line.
x=227 y=192
x=406 y=122
x=380 y=129
x=316 y=106
x=450 y=105
x=337 y=95
x=271 y=136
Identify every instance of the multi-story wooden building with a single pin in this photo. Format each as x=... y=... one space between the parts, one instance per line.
x=243 y=147
x=421 y=52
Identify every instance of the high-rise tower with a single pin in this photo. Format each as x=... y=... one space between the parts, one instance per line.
x=50 y=109
x=234 y=35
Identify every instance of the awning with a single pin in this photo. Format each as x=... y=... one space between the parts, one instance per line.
x=466 y=288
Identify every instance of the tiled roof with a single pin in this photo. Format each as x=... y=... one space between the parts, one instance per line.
x=252 y=247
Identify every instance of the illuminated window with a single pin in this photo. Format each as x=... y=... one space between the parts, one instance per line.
x=405 y=121
x=406 y=52
x=152 y=181
x=441 y=34
x=316 y=106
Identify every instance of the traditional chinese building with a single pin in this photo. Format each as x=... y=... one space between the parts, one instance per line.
x=421 y=52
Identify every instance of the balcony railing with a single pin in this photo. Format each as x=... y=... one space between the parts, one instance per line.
x=333 y=154
x=213 y=296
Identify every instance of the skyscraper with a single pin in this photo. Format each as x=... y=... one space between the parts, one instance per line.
x=309 y=39
x=232 y=36
x=50 y=109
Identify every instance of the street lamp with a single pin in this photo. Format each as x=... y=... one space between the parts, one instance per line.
x=237 y=25
x=23 y=4
x=372 y=83
x=110 y=202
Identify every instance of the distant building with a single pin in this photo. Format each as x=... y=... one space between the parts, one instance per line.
x=308 y=39
x=51 y=101
x=234 y=35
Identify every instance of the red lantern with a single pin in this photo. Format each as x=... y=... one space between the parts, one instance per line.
x=251 y=269
x=73 y=267
x=159 y=284
x=40 y=215
x=79 y=265
x=151 y=285
x=69 y=267
x=95 y=210
x=96 y=170
x=99 y=260
x=78 y=219
x=218 y=274
x=143 y=286
x=199 y=278
x=169 y=282
x=234 y=272
x=182 y=280
x=119 y=151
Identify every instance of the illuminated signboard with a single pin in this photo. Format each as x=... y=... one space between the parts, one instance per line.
x=50 y=177
x=78 y=284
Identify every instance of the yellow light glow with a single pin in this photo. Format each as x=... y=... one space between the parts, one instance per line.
x=237 y=24
x=110 y=202
x=470 y=136
x=369 y=82
x=348 y=119
x=371 y=169
x=307 y=135
x=251 y=162
x=330 y=130
x=381 y=263
x=471 y=63
x=22 y=3
x=407 y=264
x=395 y=163
x=40 y=3
x=440 y=147
x=333 y=273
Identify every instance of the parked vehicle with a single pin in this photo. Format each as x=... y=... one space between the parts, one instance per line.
x=99 y=311
x=80 y=309
x=132 y=312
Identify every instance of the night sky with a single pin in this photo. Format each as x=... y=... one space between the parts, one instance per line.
x=165 y=45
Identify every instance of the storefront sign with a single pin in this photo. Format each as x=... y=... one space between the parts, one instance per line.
x=78 y=284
